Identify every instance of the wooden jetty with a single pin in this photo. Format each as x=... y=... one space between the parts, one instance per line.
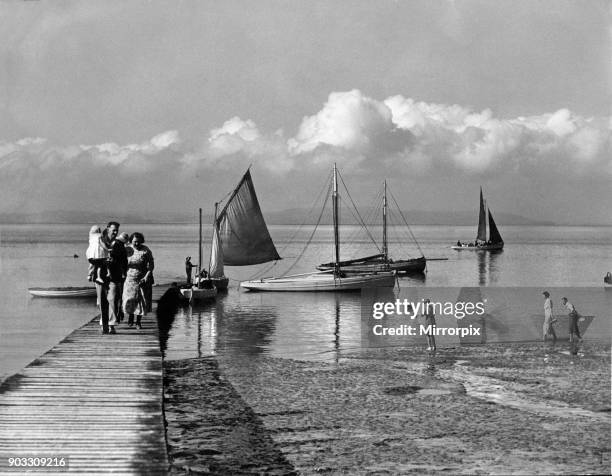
x=95 y=400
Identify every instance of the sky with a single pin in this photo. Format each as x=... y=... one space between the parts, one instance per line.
x=147 y=106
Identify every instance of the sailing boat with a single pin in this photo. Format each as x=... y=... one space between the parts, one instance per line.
x=216 y=273
x=202 y=289
x=381 y=261
x=328 y=280
x=240 y=235
x=495 y=241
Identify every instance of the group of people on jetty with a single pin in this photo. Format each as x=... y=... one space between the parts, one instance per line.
x=121 y=267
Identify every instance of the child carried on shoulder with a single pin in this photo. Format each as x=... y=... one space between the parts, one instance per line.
x=97 y=255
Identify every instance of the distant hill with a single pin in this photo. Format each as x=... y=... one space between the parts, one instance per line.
x=294 y=216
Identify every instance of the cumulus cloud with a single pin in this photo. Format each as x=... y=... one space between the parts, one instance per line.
x=349 y=120
x=448 y=139
x=394 y=137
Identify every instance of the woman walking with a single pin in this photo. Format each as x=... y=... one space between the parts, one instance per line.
x=139 y=279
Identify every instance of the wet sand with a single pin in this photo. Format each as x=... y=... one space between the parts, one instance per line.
x=495 y=409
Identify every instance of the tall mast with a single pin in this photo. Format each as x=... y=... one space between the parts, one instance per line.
x=335 y=218
x=200 y=245
x=384 y=244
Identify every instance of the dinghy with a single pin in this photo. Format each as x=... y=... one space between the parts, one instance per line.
x=199 y=291
x=64 y=292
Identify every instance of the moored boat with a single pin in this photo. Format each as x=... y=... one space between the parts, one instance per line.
x=240 y=234
x=195 y=293
x=64 y=292
x=201 y=289
x=329 y=280
x=377 y=263
x=322 y=281
x=495 y=241
x=381 y=261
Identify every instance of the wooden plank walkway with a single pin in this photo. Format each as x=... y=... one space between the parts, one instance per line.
x=93 y=399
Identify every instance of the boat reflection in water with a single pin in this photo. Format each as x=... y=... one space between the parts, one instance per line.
x=307 y=326
x=319 y=326
x=488 y=267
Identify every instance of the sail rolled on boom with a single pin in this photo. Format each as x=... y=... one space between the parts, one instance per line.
x=244 y=236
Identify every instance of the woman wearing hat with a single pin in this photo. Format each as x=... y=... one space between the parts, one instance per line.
x=549 y=320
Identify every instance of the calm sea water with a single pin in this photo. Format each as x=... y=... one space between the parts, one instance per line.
x=310 y=326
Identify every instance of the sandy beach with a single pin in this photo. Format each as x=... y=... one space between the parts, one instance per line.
x=497 y=409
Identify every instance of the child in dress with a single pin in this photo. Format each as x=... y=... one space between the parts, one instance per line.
x=97 y=255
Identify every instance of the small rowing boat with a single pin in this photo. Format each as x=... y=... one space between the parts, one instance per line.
x=64 y=292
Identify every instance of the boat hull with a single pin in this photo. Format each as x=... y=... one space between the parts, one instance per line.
x=64 y=292
x=220 y=283
x=495 y=247
x=199 y=294
x=409 y=266
x=321 y=282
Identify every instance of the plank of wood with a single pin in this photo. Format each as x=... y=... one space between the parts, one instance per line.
x=96 y=399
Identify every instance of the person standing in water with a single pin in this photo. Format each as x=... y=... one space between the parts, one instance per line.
x=430 y=320
x=549 y=320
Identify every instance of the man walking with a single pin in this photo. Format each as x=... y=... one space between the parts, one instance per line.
x=549 y=320
x=106 y=293
x=117 y=268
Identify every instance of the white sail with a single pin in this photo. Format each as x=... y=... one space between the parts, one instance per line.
x=216 y=256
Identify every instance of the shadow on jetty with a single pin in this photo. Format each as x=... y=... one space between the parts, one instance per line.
x=167 y=307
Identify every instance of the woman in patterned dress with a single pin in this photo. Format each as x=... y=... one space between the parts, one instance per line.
x=139 y=279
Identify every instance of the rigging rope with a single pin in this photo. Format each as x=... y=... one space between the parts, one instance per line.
x=358 y=217
x=406 y=223
x=313 y=231
x=325 y=189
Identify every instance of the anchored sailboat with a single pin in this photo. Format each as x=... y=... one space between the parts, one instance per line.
x=495 y=241
x=381 y=261
x=329 y=280
x=202 y=289
x=240 y=234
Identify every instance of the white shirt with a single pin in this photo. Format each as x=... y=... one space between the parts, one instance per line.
x=548 y=305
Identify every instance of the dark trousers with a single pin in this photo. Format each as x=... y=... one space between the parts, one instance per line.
x=573 y=325
x=102 y=301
